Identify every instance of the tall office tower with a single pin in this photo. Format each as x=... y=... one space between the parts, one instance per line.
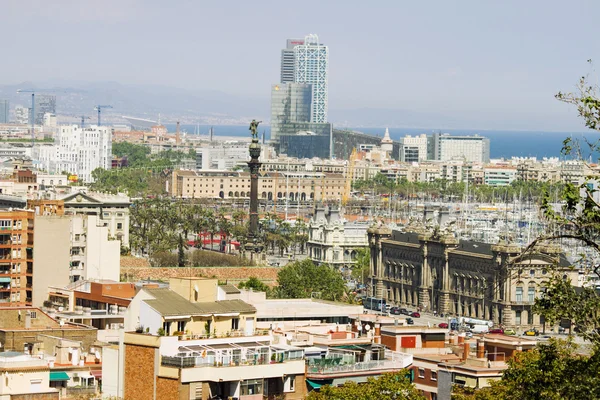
x=21 y=115
x=290 y=103
x=288 y=60
x=4 y=107
x=443 y=147
x=311 y=66
x=44 y=103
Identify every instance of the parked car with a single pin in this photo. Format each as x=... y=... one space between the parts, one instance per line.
x=415 y=315
x=404 y=311
x=443 y=325
x=510 y=332
x=531 y=332
x=497 y=330
x=410 y=321
x=395 y=311
x=387 y=308
x=468 y=335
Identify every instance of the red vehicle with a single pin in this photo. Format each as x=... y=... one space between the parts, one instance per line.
x=497 y=330
x=443 y=325
x=415 y=315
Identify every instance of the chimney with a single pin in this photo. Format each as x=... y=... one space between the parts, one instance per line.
x=480 y=349
x=466 y=350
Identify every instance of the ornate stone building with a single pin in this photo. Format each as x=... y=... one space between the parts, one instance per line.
x=437 y=272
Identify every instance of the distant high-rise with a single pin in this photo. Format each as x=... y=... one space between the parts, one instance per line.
x=290 y=102
x=4 y=107
x=44 y=103
x=444 y=147
x=288 y=60
x=22 y=115
x=311 y=65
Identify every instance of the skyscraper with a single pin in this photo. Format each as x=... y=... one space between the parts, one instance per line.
x=311 y=66
x=290 y=103
x=288 y=60
x=44 y=103
x=4 y=106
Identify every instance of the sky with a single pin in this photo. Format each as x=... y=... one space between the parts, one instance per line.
x=487 y=61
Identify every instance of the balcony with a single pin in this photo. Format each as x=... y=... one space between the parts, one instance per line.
x=352 y=368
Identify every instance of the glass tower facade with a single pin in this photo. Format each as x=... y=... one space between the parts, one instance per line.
x=288 y=60
x=312 y=66
x=290 y=103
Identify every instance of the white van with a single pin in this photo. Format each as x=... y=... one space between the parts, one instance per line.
x=480 y=329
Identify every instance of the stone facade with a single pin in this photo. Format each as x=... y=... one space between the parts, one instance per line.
x=139 y=372
x=437 y=272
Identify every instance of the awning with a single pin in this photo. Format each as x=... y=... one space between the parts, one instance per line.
x=58 y=376
x=5 y=280
x=97 y=374
x=316 y=384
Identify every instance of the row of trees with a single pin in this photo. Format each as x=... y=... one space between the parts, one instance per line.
x=519 y=190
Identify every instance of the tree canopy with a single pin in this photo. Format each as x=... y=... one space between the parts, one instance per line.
x=305 y=279
x=390 y=386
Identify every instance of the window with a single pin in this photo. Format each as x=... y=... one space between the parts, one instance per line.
x=292 y=383
x=181 y=326
x=421 y=372
x=119 y=225
x=519 y=294
x=532 y=272
x=167 y=327
x=251 y=387
x=77 y=236
x=33 y=314
x=531 y=294
x=518 y=317
x=235 y=324
x=434 y=375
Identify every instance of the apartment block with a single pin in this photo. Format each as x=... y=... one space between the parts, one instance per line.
x=16 y=257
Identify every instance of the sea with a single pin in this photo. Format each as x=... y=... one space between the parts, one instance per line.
x=503 y=144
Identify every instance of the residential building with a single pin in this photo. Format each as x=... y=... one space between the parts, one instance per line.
x=413 y=148
x=44 y=103
x=227 y=155
x=50 y=180
x=334 y=241
x=50 y=120
x=312 y=66
x=305 y=186
x=77 y=150
x=210 y=348
x=16 y=257
x=288 y=60
x=4 y=111
x=21 y=115
x=25 y=377
x=444 y=147
x=446 y=275
x=499 y=175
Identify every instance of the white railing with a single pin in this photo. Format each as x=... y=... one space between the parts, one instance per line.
x=355 y=367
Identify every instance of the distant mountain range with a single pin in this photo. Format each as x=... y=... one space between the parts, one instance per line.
x=218 y=108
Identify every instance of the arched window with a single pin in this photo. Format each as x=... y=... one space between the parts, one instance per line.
x=237 y=194
x=230 y=194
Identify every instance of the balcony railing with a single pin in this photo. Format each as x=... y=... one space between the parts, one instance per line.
x=353 y=367
x=210 y=361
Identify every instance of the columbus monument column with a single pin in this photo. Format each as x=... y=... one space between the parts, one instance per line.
x=254 y=243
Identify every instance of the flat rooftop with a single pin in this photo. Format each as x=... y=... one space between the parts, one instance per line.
x=299 y=308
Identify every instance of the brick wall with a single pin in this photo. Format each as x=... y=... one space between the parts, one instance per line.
x=167 y=389
x=301 y=392
x=389 y=341
x=14 y=340
x=139 y=372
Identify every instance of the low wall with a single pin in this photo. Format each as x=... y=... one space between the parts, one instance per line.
x=234 y=275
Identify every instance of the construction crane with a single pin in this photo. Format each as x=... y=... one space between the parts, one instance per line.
x=99 y=109
x=83 y=118
x=349 y=177
x=32 y=91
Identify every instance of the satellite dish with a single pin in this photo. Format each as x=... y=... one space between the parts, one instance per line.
x=367 y=328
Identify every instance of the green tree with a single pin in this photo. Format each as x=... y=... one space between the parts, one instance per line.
x=389 y=386
x=303 y=279
x=360 y=270
x=255 y=284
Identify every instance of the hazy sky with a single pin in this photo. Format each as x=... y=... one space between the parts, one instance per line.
x=492 y=60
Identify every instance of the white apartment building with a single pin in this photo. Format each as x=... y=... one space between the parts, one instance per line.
x=413 y=148
x=77 y=150
x=499 y=175
x=21 y=115
x=227 y=155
